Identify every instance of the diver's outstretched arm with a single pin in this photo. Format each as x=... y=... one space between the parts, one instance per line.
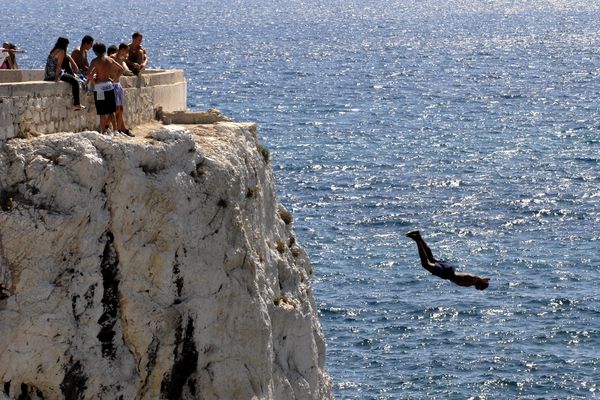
x=464 y=279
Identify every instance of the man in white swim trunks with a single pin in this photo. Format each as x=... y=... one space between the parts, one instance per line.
x=101 y=69
x=120 y=55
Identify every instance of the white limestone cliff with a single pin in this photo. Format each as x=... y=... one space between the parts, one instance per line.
x=147 y=268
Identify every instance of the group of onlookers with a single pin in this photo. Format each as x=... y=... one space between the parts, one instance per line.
x=102 y=74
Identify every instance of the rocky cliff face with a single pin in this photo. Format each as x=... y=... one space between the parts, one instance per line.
x=152 y=268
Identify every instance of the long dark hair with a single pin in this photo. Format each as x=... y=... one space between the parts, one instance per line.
x=62 y=43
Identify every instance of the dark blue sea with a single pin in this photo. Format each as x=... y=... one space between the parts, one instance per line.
x=477 y=122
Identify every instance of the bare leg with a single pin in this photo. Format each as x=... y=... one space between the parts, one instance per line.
x=103 y=123
x=427 y=259
x=427 y=250
x=424 y=254
x=113 y=121
x=119 y=117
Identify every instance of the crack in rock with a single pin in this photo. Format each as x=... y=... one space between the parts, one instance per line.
x=110 y=299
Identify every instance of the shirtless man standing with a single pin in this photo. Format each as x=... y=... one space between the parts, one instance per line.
x=101 y=70
x=120 y=55
x=137 y=59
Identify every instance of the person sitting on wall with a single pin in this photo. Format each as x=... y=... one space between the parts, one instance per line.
x=121 y=58
x=101 y=69
x=8 y=58
x=54 y=71
x=80 y=54
x=113 y=52
x=70 y=67
x=137 y=58
x=3 y=53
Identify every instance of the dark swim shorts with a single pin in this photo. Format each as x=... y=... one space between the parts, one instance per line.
x=106 y=106
x=443 y=269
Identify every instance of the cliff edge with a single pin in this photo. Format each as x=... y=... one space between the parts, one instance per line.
x=157 y=267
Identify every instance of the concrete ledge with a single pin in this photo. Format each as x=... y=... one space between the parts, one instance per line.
x=211 y=116
x=154 y=78
x=38 y=88
x=151 y=77
x=21 y=75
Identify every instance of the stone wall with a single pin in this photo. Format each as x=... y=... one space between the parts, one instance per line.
x=28 y=105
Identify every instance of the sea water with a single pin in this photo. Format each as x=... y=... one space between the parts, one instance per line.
x=476 y=122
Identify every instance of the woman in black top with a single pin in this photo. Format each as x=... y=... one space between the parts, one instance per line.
x=58 y=67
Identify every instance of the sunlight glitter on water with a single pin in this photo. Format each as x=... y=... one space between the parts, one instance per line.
x=474 y=121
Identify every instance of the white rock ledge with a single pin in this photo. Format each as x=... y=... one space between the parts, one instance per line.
x=152 y=268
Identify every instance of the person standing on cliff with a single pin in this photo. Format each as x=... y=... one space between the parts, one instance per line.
x=55 y=63
x=80 y=54
x=137 y=58
x=102 y=68
x=120 y=55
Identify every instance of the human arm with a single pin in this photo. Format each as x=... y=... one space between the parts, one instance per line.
x=127 y=71
x=145 y=62
x=116 y=66
x=77 y=57
x=60 y=57
x=136 y=58
x=74 y=66
x=85 y=64
x=464 y=279
x=91 y=72
x=116 y=70
x=130 y=63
